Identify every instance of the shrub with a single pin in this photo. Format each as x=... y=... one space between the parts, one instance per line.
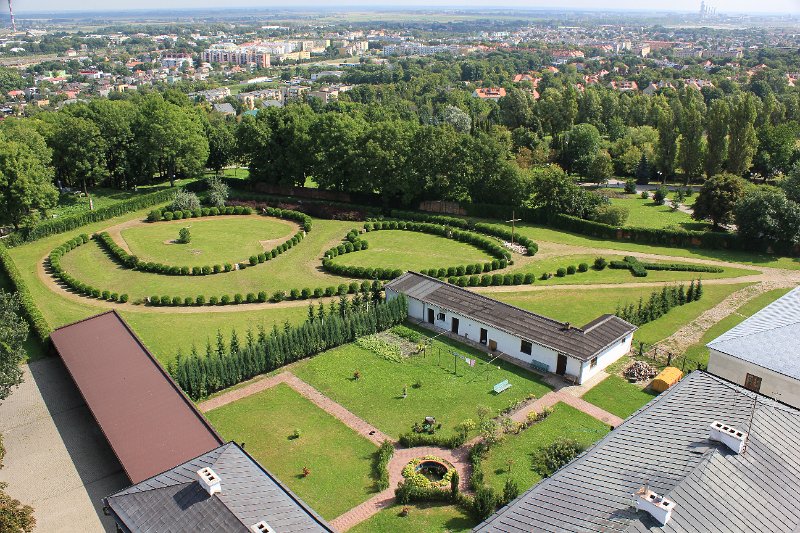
x=213 y=300
x=630 y=186
x=613 y=215
x=600 y=263
x=168 y=215
x=105 y=295
x=645 y=195
x=583 y=267
x=217 y=192
x=154 y=215
x=123 y=298
x=228 y=267
x=571 y=269
x=184 y=200
x=176 y=300
x=484 y=503
x=294 y=294
x=660 y=195
x=225 y=299
x=184 y=236
x=114 y=297
x=217 y=269
x=251 y=297
x=278 y=296
x=380 y=463
x=561 y=272
x=253 y=260
x=165 y=300
x=200 y=300
x=262 y=296
x=549 y=459
x=530 y=277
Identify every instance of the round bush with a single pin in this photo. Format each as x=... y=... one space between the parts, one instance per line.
x=228 y=267
x=225 y=300
x=114 y=297
x=238 y=298
x=165 y=300
x=206 y=270
x=123 y=298
x=105 y=295
x=600 y=263
x=168 y=215
x=176 y=300
x=583 y=267
x=253 y=260
x=251 y=297
x=200 y=300
x=262 y=296
x=571 y=269
x=213 y=300
x=318 y=292
x=529 y=278
x=561 y=272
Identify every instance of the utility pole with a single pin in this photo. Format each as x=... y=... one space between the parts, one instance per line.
x=513 y=221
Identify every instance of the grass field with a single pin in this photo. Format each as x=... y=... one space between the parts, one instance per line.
x=410 y=250
x=647 y=214
x=339 y=459
x=698 y=353
x=558 y=304
x=610 y=275
x=565 y=421
x=422 y=517
x=377 y=395
x=214 y=240
x=617 y=396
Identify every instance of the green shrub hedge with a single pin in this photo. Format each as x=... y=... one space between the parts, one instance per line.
x=640 y=269
x=158 y=215
x=39 y=325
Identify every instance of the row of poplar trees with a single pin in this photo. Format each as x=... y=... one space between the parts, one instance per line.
x=659 y=303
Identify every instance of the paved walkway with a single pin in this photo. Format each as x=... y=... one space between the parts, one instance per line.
x=57 y=460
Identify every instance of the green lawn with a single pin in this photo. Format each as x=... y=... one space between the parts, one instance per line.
x=339 y=459
x=579 y=306
x=646 y=214
x=565 y=421
x=71 y=204
x=377 y=395
x=617 y=396
x=422 y=517
x=610 y=275
x=214 y=240
x=698 y=353
x=411 y=250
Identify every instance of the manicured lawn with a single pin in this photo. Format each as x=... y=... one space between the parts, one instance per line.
x=71 y=204
x=214 y=240
x=610 y=275
x=411 y=250
x=698 y=353
x=377 y=395
x=565 y=421
x=646 y=214
x=579 y=306
x=617 y=396
x=422 y=517
x=339 y=459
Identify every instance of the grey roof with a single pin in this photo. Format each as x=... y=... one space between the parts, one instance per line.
x=770 y=338
x=225 y=108
x=582 y=343
x=665 y=445
x=175 y=501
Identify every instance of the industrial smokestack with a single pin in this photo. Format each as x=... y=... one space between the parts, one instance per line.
x=11 y=11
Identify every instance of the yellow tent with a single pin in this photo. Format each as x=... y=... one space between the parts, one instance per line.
x=666 y=379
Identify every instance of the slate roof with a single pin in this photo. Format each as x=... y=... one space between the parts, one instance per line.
x=665 y=445
x=148 y=421
x=582 y=343
x=175 y=501
x=769 y=338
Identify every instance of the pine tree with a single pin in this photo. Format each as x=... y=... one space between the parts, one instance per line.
x=311 y=314
x=251 y=340
x=690 y=292
x=220 y=344
x=698 y=290
x=234 y=343
x=681 y=295
x=321 y=312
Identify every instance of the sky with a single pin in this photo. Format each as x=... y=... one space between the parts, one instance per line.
x=727 y=6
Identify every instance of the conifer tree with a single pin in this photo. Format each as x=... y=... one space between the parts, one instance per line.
x=698 y=290
x=690 y=293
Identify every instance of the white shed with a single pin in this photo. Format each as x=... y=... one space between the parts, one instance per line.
x=532 y=341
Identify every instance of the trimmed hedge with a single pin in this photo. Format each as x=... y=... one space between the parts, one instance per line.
x=380 y=465
x=37 y=321
x=640 y=269
x=158 y=215
x=62 y=224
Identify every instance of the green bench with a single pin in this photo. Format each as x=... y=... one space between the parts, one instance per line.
x=500 y=387
x=541 y=367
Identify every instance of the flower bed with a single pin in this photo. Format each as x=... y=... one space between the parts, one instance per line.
x=413 y=476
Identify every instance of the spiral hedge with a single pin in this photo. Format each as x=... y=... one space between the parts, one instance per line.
x=73 y=283
x=131 y=261
x=37 y=321
x=354 y=243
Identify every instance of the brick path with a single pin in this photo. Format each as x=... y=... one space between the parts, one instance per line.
x=356 y=423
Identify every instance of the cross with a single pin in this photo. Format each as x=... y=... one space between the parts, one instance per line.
x=513 y=220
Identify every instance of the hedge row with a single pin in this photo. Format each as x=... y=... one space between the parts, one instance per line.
x=40 y=326
x=74 y=284
x=262 y=296
x=640 y=269
x=465 y=270
x=133 y=262
x=200 y=375
x=426 y=217
x=380 y=464
x=67 y=223
x=157 y=215
x=630 y=263
x=506 y=235
x=470 y=237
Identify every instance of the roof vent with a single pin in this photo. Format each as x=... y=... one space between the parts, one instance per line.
x=209 y=480
x=567 y=326
x=657 y=506
x=261 y=527
x=727 y=435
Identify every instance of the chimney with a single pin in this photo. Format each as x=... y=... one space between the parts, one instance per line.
x=261 y=527
x=657 y=506
x=209 y=480
x=567 y=326
x=727 y=435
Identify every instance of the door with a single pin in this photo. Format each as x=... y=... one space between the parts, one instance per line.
x=561 y=365
x=752 y=383
x=484 y=335
x=430 y=316
x=454 y=325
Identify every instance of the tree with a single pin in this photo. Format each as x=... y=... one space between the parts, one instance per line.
x=777 y=147
x=644 y=172
x=457 y=118
x=718 y=198
x=667 y=147
x=78 y=150
x=692 y=150
x=791 y=184
x=579 y=147
x=742 y=133
x=26 y=182
x=14 y=517
x=716 y=137
x=766 y=215
x=601 y=169
x=221 y=142
x=515 y=109
x=217 y=192
x=550 y=458
x=13 y=332
x=554 y=192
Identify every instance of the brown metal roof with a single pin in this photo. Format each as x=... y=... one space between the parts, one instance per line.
x=148 y=421
x=582 y=343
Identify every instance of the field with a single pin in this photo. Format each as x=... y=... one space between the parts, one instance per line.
x=339 y=459
x=516 y=451
x=377 y=396
x=617 y=396
x=427 y=517
x=647 y=214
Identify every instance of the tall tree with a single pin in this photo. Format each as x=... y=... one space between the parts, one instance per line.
x=743 y=140
x=26 y=182
x=667 y=147
x=221 y=142
x=716 y=137
x=78 y=150
x=692 y=145
x=718 y=198
x=13 y=332
x=766 y=215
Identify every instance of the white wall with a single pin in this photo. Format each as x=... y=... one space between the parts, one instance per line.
x=611 y=354
x=773 y=384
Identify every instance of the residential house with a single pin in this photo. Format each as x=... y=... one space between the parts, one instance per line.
x=762 y=353
x=489 y=93
x=526 y=339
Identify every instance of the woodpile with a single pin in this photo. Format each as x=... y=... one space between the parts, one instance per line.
x=640 y=371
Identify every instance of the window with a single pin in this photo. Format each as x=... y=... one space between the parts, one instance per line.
x=593 y=362
x=752 y=383
x=526 y=347
x=440 y=316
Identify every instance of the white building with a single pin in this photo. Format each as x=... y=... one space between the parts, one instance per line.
x=762 y=353
x=530 y=340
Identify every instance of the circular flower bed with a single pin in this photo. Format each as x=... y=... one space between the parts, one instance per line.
x=429 y=472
